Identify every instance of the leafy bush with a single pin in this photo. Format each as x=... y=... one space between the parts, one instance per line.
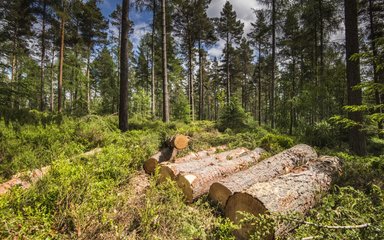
x=322 y=134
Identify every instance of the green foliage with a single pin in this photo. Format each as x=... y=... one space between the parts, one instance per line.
x=165 y=215
x=275 y=143
x=181 y=110
x=345 y=207
x=322 y=134
x=233 y=117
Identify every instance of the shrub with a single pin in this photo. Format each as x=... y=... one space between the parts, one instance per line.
x=233 y=117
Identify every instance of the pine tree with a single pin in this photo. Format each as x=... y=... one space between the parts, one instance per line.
x=230 y=29
x=123 y=103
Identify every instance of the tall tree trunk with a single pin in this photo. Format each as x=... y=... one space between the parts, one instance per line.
x=272 y=106
x=153 y=94
x=190 y=80
x=165 y=69
x=321 y=68
x=201 y=87
x=228 y=73
x=52 y=98
x=88 y=81
x=61 y=64
x=124 y=55
x=42 y=57
x=357 y=141
x=259 y=86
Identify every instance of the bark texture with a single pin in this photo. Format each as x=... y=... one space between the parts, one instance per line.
x=166 y=154
x=294 y=192
x=271 y=167
x=171 y=170
x=200 y=155
x=197 y=182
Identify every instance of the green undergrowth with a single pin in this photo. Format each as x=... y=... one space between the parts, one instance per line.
x=93 y=197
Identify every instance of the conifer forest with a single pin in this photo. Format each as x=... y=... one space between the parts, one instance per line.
x=192 y=119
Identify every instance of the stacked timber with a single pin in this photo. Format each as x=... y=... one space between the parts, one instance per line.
x=168 y=153
x=196 y=182
x=171 y=170
x=265 y=170
x=297 y=191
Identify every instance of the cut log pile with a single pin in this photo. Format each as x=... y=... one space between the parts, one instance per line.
x=239 y=180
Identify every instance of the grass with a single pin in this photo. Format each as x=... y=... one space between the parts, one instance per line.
x=100 y=197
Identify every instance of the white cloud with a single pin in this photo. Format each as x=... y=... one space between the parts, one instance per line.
x=217 y=50
x=139 y=30
x=244 y=13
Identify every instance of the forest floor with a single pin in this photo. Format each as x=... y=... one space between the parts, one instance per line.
x=108 y=196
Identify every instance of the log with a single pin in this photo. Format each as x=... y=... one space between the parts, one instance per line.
x=294 y=192
x=166 y=154
x=179 y=141
x=171 y=170
x=269 y=168
x=200 y=155
x=197 y=182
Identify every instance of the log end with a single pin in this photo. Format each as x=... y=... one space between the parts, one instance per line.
x=219 y=194
x=166 y=172
x=243 y=202
x=150 y=165
x=180 y=142
x=185 y=183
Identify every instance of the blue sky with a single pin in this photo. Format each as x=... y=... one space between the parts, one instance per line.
x=142 y=20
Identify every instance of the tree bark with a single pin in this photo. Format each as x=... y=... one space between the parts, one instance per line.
x=172 y=170
x=42 y=57
x=165 y=68
x=165 y=155
x=153 y=96
x=52 y=98
x=200 y=155
x=61 y=64
x=274 y=166
x=190 y=79
x=298 y=191
x=124 y=67
x=357 y=141
x=272 y=112
x=228 y=73
x=88 y=80
x=201 y=87
x=259 y=83
x=197 y=182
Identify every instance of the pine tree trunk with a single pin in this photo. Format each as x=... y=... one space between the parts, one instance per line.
x=61 y=64
x=197 y=182
x=201 y=87
x=165 y=68
x=259 y=84
x=172 y=170
x=124 y=67
x=153 y=96
x=52 y=98
x=357 y=141
x=190 y=79
x=269 y=168
x=272 y=111
x=42 y=58
x=298 y=191
x=228 y=73
x=88 y=81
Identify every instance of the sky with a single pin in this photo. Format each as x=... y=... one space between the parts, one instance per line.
x=142 y=20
